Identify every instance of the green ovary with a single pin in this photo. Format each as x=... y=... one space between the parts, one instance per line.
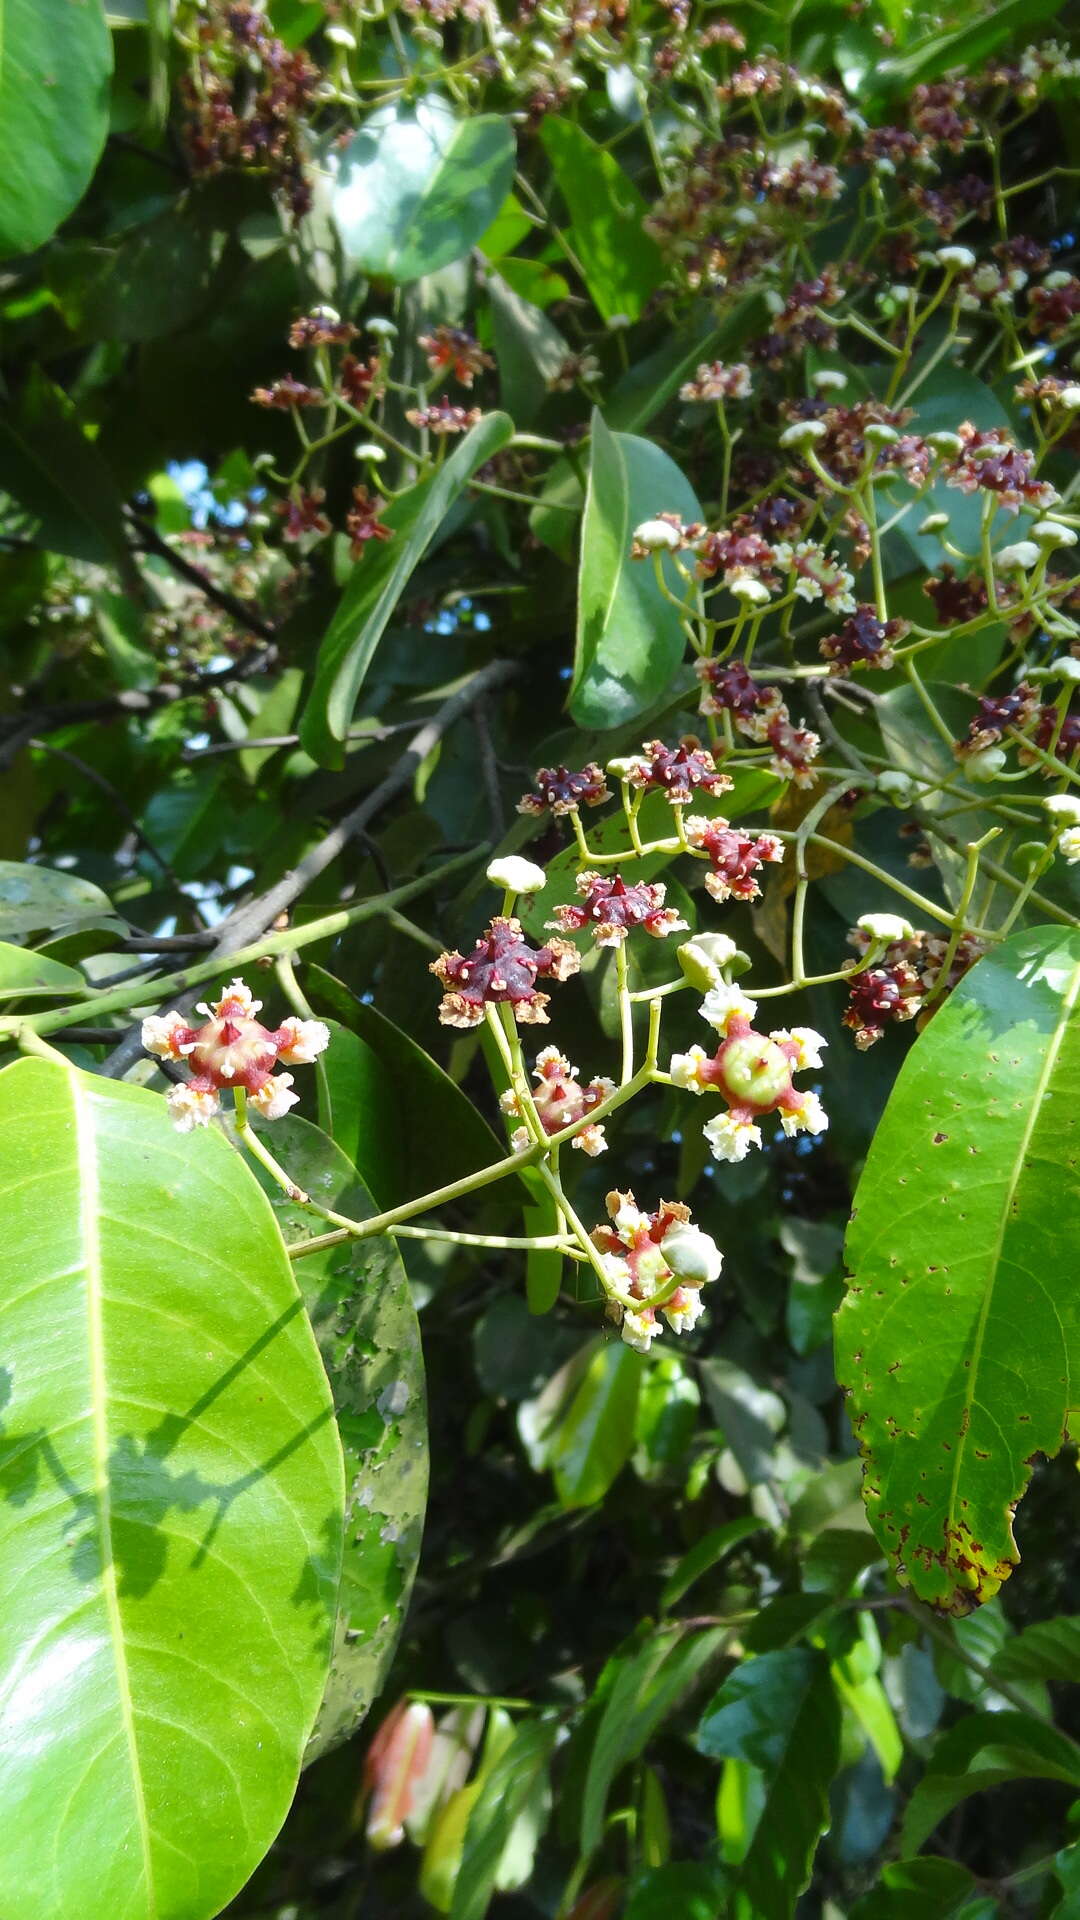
x=755 y=1071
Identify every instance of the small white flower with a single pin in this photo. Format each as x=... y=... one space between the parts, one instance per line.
x=704 y=958
x=829 y=380
x=274 y=1098
x=730 y=1139
x=1069 y=398
x=630 y=1219
x=1021 y=556
x=516 y=874
x=746 y=588
x=808 y=1042
x=656 y=536
x=159 y=1031
x=722 y=1004
x=639 y=1330
x=684 y=1310
x=685 y=1069
x=188 y=1108
x=885 y=926
x=591 y=1140
x=520 y=1139
x=310 y=1038
x=985 y=766
x=1053 y=533
x=616 y=1270
x=1064 y=807
x=960 y=257
x=692 y=1254
x=808 y=1117
x=1069 y=845
x=803 y=433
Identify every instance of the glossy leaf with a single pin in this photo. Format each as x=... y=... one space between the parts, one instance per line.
x=985 y=1750
x=58 y=479
x=529 y=351
x=40 y=899
x=1050 y=1650
x=649 y=1687
x=963 y=1221
x=55 y=63
x=778 y=1713
x=416 y=187
x=377 y=584
x=595 y=1438
x=515 y=1780
x=27 y=974
x=622 y=264
x=927 y=1889
x=630 y=639
x=359 y=1303
x=704 y=1555
x=170 y=1526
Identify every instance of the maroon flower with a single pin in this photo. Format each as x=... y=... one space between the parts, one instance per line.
x=303 y=514
x=558 y=790
x=956 y=601
x=443 y=418
x=863 y=641
x=735 y=555
x=880 y=996
x=677 y=771
x=1053 y=309
x=321 y=328
x=359 y=379
x=286 y=393
x=609 y=908
x=733 y=689
x=501 y=969
x=993 y=463
x=451 y=350
x=995 y=715
x=735 y=858
x=362 y=521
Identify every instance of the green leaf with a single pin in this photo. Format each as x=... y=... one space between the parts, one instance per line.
x=688 y=1889
x=151 y=282
x=595 y=1438
x=360 y=1306
x=650 y=1686
x=778 y=1713
x=1050 y=1650
x=57 y=476
x=55 y=64
x=529 y=351
x=416 y=188
x=963 y=1222
x=927 y=1889
x=517 y=1779
x=377 y=584
x=630 y=639
x=170 y=1533
x=39 y=899
x=621 y=263
x=706 y=1554
x=24 y=973
x=405 y=1115
x=966 y=47
x=984 y=1750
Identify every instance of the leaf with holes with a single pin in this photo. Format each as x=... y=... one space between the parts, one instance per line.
x=170 y=1508
x=960 y=1332
x=358 y=1300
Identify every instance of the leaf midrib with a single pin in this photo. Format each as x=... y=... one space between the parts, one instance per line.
x=1067 y=1005
x=86 y=1156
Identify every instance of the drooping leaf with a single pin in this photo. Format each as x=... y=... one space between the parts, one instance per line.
x=630 y=639
x=358 y=1300
x=416 y=187
x=595 y=1438
x=622 y=263
x=170 y=1508
x=56 y=476
x=518 y=1777
x=984 y=1750
x=55 y=63
x=649 y=1686
x=377 y=584
x=778 y=1713
x=39 y=899
x=964 y=1224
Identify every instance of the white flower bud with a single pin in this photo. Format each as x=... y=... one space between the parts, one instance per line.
x=1069 y=845
x=691 y=1254
x=657 y=536
x=622 y=768
x=886 y=926
x=897 y=785
x=745 y=217
x=959 y=257
x=1069 y=398
x=944 y=442
x=381 y=327
x=516 y=874
x=340 y=36
x=1063 y=807
x=754 y=591
x=367 y=450
x=803 y=433
x=877 y=434
x=1021 y=556
x=934 y=523
x=828 y=380
x=1065 y=667
x=1053 y=533
x=703 y=959
x=1056 y=279
x=985 y=766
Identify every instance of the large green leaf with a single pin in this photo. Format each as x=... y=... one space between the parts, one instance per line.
x=1050 y=1650
x=649 y=1687
x=595 y=1439
x=778 y=1714
x=377 y=584
x=622 y=264
x=24 y=973
x=358 y=1300
x=965 y=47
x=529 y=351
x=959 y=1334
x=416 y=187
x=517 y=1779
x=56 y=476
x=985 y=1750
x=55 y=63
x=630 y=638
x=39 y=899
x=171 y=1517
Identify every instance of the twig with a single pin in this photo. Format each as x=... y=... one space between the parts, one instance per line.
x=242 y=611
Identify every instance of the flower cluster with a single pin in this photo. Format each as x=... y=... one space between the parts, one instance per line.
x=675 y=771
x=656 y=1257
x=610 y=909
x=753 y=1073
x=863 y=641
x=561 y=790
x=245 y=102
x=909 y=972
x=735 y=858
x=560 y=1100
x=451 y=350
x=231 y=1049
x=760 y=712
x=501 y=970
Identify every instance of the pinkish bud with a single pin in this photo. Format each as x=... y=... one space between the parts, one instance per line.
x=395 y=1762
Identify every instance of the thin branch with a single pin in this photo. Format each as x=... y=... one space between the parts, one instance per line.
x=242 y=611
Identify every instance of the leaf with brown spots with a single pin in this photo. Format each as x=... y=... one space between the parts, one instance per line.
x=958 y=1341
